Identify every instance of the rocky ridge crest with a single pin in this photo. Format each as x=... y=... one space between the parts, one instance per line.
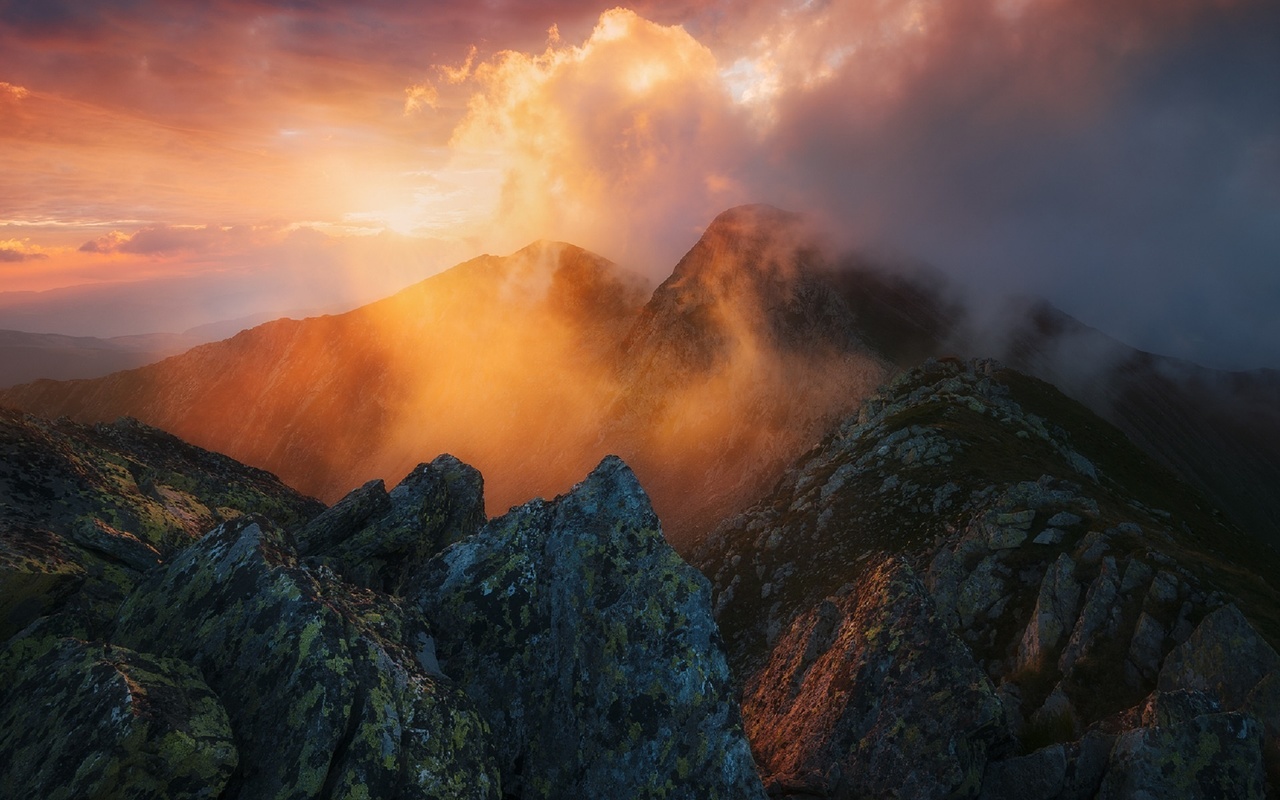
x=984 y=581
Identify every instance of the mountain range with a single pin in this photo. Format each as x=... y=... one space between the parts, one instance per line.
x=535 y=365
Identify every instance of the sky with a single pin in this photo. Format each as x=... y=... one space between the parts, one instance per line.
x=1121 y=159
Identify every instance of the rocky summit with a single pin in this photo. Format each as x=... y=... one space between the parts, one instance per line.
x=976 y=588
x=395 y=645
x=973 y=587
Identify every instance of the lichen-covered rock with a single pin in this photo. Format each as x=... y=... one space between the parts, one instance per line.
x=1098 y=617
x=1210 y=756
x=1224 y=656
x=377 y=540
x=1053 y=616
x=887 y=703
x=589 y=647
x=321 y=680
x=1175 y=707
x=93 y=720
x=86 y=510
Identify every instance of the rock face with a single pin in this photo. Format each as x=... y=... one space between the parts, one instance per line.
x=103 y=721
x=589 y=647
x=1082 y=598
x=321 y=681
x=385 y=648
x=376 y=540
x=871 y=691
x=85 y=511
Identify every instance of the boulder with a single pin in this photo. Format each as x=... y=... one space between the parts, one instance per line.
x=1224 y=656
x=1097 y=618
x=321 y=681
x=1145 y=650
x=1209 y=756
x=1175 y=707
x=1039 y=774
x=589 y=647
x=85 y=719
x=1054 y=614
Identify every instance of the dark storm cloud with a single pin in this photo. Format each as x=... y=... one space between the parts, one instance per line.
x=1131 y=178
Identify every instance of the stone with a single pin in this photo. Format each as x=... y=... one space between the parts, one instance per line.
x=1097 y=617
x=378 y=540
x=980 y=590
x=321 y=680
x=1164 y=589
x=1050 y=536
x=1209 y=756
x=589 y=648
x=1016 y=519
x=1093 y=547
x=1145 y=650
x=86 y=719
x=1053 y=616
x=344 y=519
x=1224 y=657
x=1064 y=519
x=1136 y=573
x=1005 y=538
x=1038 y=774
x=1086 y=764
x=896 y=702
x=1264 y=703
x=1162 y=709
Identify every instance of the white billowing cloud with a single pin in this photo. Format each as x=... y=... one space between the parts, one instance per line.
x=627 y=144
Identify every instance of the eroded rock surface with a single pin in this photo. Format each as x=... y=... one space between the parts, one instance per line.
x=92 y=720
x=590 y=648
x=320 y=680
x=1072 y=573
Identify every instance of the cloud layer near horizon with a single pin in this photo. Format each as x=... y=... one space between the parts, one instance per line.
x=1122 y=159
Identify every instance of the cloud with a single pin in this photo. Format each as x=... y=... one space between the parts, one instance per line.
x=14 y=251
x=614 y=144
x=13 y=256
x=171 y=240
x=1120 y=158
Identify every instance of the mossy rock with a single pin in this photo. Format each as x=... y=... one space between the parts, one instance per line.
x=320 y=679
x=589 y=647
x=92 y=720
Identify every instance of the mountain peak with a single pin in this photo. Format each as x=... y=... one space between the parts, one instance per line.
x=749 y=240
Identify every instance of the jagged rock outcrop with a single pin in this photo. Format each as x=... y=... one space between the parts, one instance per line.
x=564 y=650
x=1079 y=578
x=589 y=647
x=321 y=681
x=90 y=720
x=85 y=511
x=1224 y=657
x=377 y=539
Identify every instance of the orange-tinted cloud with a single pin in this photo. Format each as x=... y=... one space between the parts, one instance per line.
x=612 y=144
